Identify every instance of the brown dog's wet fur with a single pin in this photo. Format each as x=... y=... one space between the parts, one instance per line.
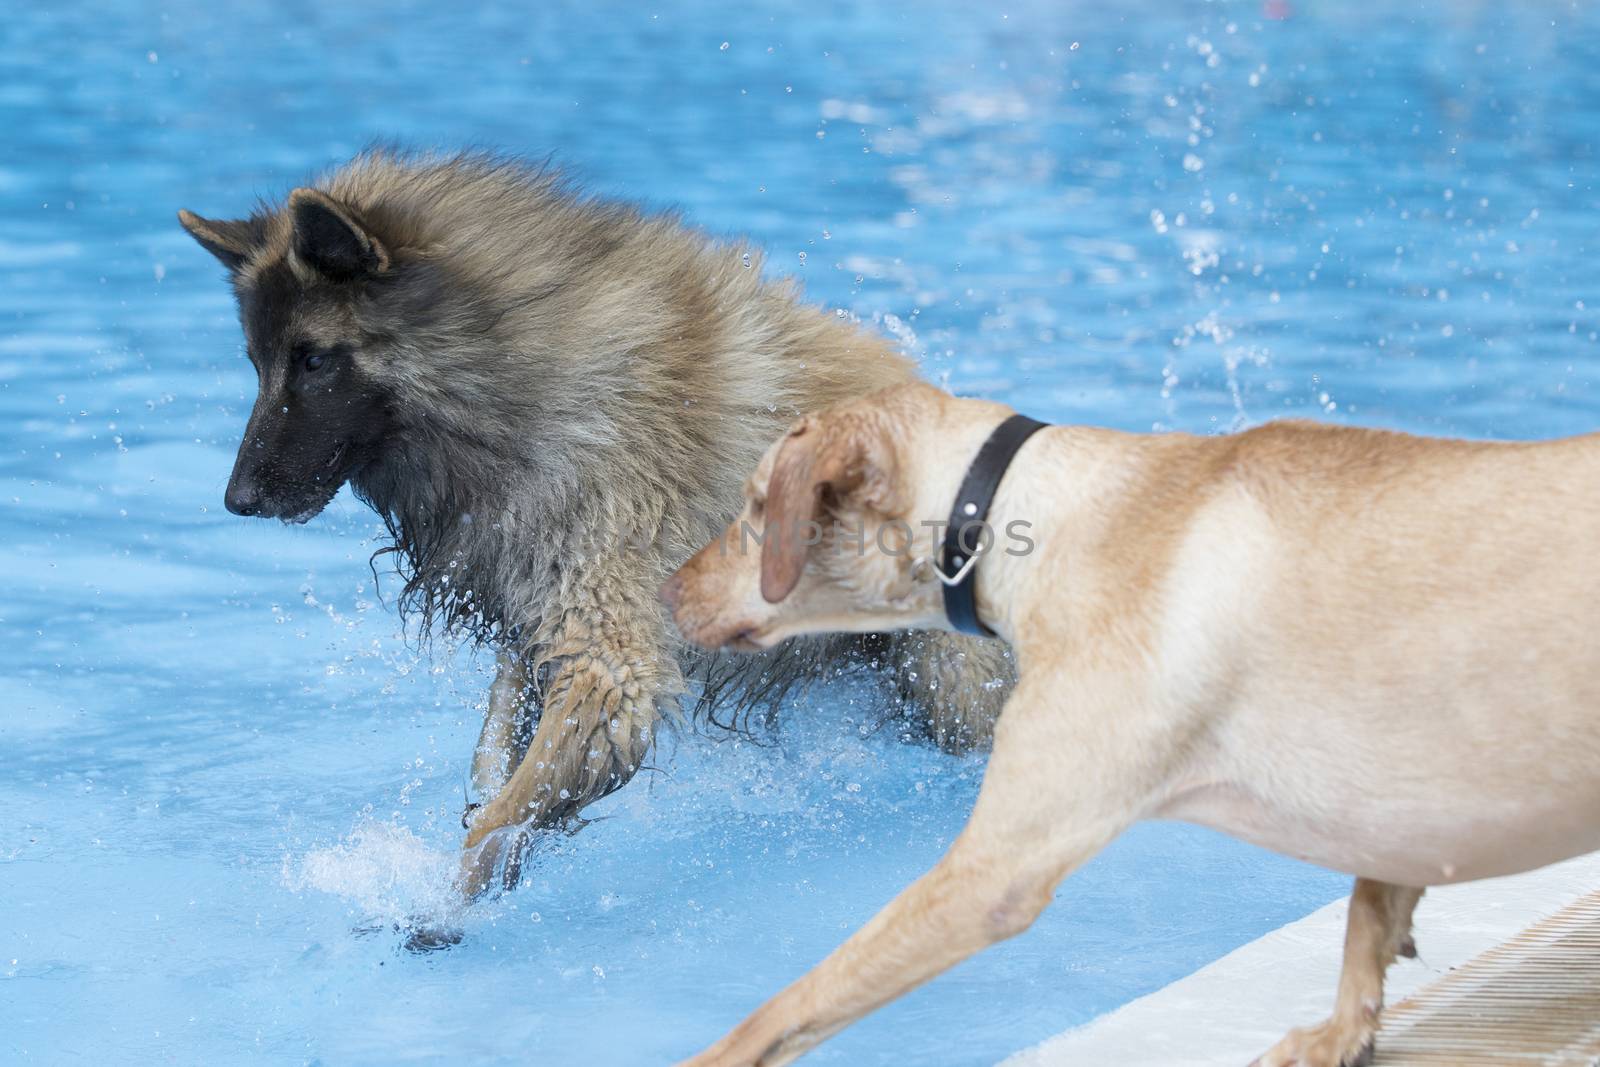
x=1364 y=649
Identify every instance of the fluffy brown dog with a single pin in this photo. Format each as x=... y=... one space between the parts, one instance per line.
x=1368 y=650
x=551 y=400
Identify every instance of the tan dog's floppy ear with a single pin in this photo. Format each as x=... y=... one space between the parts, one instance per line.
x=792 y=495
x=330 y=240
x=844 y=454
x=230 y=240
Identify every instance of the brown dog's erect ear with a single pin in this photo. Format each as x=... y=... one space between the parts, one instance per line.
x=846 y=456
x=230 y=240
x=330 y=240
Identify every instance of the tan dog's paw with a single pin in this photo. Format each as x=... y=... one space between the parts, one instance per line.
x=1333 y=1044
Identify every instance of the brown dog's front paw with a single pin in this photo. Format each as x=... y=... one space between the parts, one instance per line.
x=1333 y=1044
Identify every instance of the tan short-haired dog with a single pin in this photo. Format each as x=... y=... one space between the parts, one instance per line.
x=1373 y=651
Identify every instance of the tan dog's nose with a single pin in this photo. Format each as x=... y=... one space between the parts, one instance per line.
x=671 y=590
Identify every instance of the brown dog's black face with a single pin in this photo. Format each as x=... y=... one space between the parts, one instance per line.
x=319 y=416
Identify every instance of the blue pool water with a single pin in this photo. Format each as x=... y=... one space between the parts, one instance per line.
x=225 y=771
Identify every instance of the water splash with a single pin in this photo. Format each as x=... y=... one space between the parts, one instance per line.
x=384 y=870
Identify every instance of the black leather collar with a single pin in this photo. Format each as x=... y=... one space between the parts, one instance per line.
x=964 y=539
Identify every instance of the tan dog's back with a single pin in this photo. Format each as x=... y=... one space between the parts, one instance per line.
x=1439 y=595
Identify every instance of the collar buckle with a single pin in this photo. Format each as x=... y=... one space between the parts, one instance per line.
x=949 y=579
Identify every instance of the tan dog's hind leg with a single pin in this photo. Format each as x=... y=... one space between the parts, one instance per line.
x=1379 y=930
x=1038 y=816
x=504 y=724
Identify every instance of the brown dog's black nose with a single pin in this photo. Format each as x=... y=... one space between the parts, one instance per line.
x=671 y=590
x=243 y=496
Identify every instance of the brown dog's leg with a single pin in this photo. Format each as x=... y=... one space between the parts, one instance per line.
x=1379 y=930
x=958 y=682
x=605 y=665
x=1046 y=806
x=597 y=725
x=506 y=721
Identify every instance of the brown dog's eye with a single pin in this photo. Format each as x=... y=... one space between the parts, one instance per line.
x=312 y=358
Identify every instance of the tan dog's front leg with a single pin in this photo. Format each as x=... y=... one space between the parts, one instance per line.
x=1379 y=929
x=597 y=725
x=1036 y=819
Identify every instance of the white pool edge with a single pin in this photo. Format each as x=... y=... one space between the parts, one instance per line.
x=1230 y=1011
